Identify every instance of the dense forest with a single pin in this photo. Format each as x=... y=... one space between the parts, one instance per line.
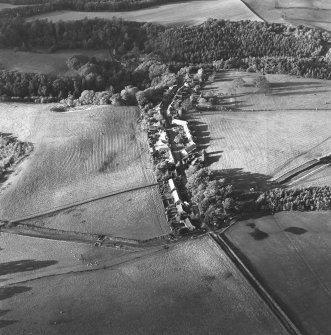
x=246 y=45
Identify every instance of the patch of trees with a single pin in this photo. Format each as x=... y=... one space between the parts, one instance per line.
x=213 y=195
x=219 y=39
x=303 y=67
x=307 y=199
x=11 y=150
x=118 y=36
x=109 y=77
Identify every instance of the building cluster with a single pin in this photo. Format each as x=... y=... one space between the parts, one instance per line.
x=164 y=124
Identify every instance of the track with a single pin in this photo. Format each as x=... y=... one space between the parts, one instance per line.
x=263 y=293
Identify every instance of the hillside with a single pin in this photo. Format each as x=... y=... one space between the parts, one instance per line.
x=186 y=12
x=313 y=13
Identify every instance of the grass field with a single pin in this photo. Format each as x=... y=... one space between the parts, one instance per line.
x=192 y=288
x=77 y=155
x=47 y=63
x=290 y=252
x=40 y=257
x=135 y=215
x=314 y=13
x=190 y=12
x=267 y=135
x=320 y=178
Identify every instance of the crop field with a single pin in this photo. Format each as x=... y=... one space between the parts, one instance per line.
x=266 y=135
x=78 y=155
x=135 y=215
x=193 y=287
x=314 y=13
x=290 y=253
x=47 y=63
x=188 y=12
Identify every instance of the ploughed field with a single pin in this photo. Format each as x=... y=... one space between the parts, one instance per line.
x=192 y=286
x=290 y=254
x=266 y=135
x=78 y=155
x=187 y=12
x=315 y=13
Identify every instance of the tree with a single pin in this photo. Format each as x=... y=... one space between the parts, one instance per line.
x=229 y=205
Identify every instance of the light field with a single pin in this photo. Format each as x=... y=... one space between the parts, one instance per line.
x=78 y=155
x=290 y=253
x=314 y=13
x=137 y=215
x=188 y=12
x=47 y=63
x=193 y=287
x=271 y=134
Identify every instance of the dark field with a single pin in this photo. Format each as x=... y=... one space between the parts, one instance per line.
x=290 y=253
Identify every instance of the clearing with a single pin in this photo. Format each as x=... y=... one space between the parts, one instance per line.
x=188 y=12
x=46 y=63
x=290 y=254
x=192 y=286
x=78 y=156
x=313 y=13
x=265 y=135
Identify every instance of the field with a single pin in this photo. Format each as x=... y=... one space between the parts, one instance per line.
x=290 y=253
x=190 y=12
x=135 y=215
x=266 y=135
x=321 y=177
x=193 y=287
x=314 y=13
x=36 y=257
x=47 y=63
x=78 y=155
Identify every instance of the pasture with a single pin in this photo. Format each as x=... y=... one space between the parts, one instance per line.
x=137 y=215
x=290 y=254
x=78 y=155
x=265 y=135
x=192 y=286
x=313 y=13
x=46 y=63
x=37 y=257
x=188 y=12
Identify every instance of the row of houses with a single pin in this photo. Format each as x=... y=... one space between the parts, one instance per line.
x=176 y=209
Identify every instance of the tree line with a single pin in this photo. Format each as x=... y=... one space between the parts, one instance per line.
x=35 y=7
x=250 y=46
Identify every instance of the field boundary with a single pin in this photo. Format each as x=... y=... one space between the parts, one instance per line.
x=74 y=236
x=78 y=203
x=253 y=11
x=257 y=286
x=299 y=169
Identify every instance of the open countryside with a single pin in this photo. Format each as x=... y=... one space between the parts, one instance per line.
x=168 y=172
x=75 y=152
x=162 y=287
x=187 y=12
